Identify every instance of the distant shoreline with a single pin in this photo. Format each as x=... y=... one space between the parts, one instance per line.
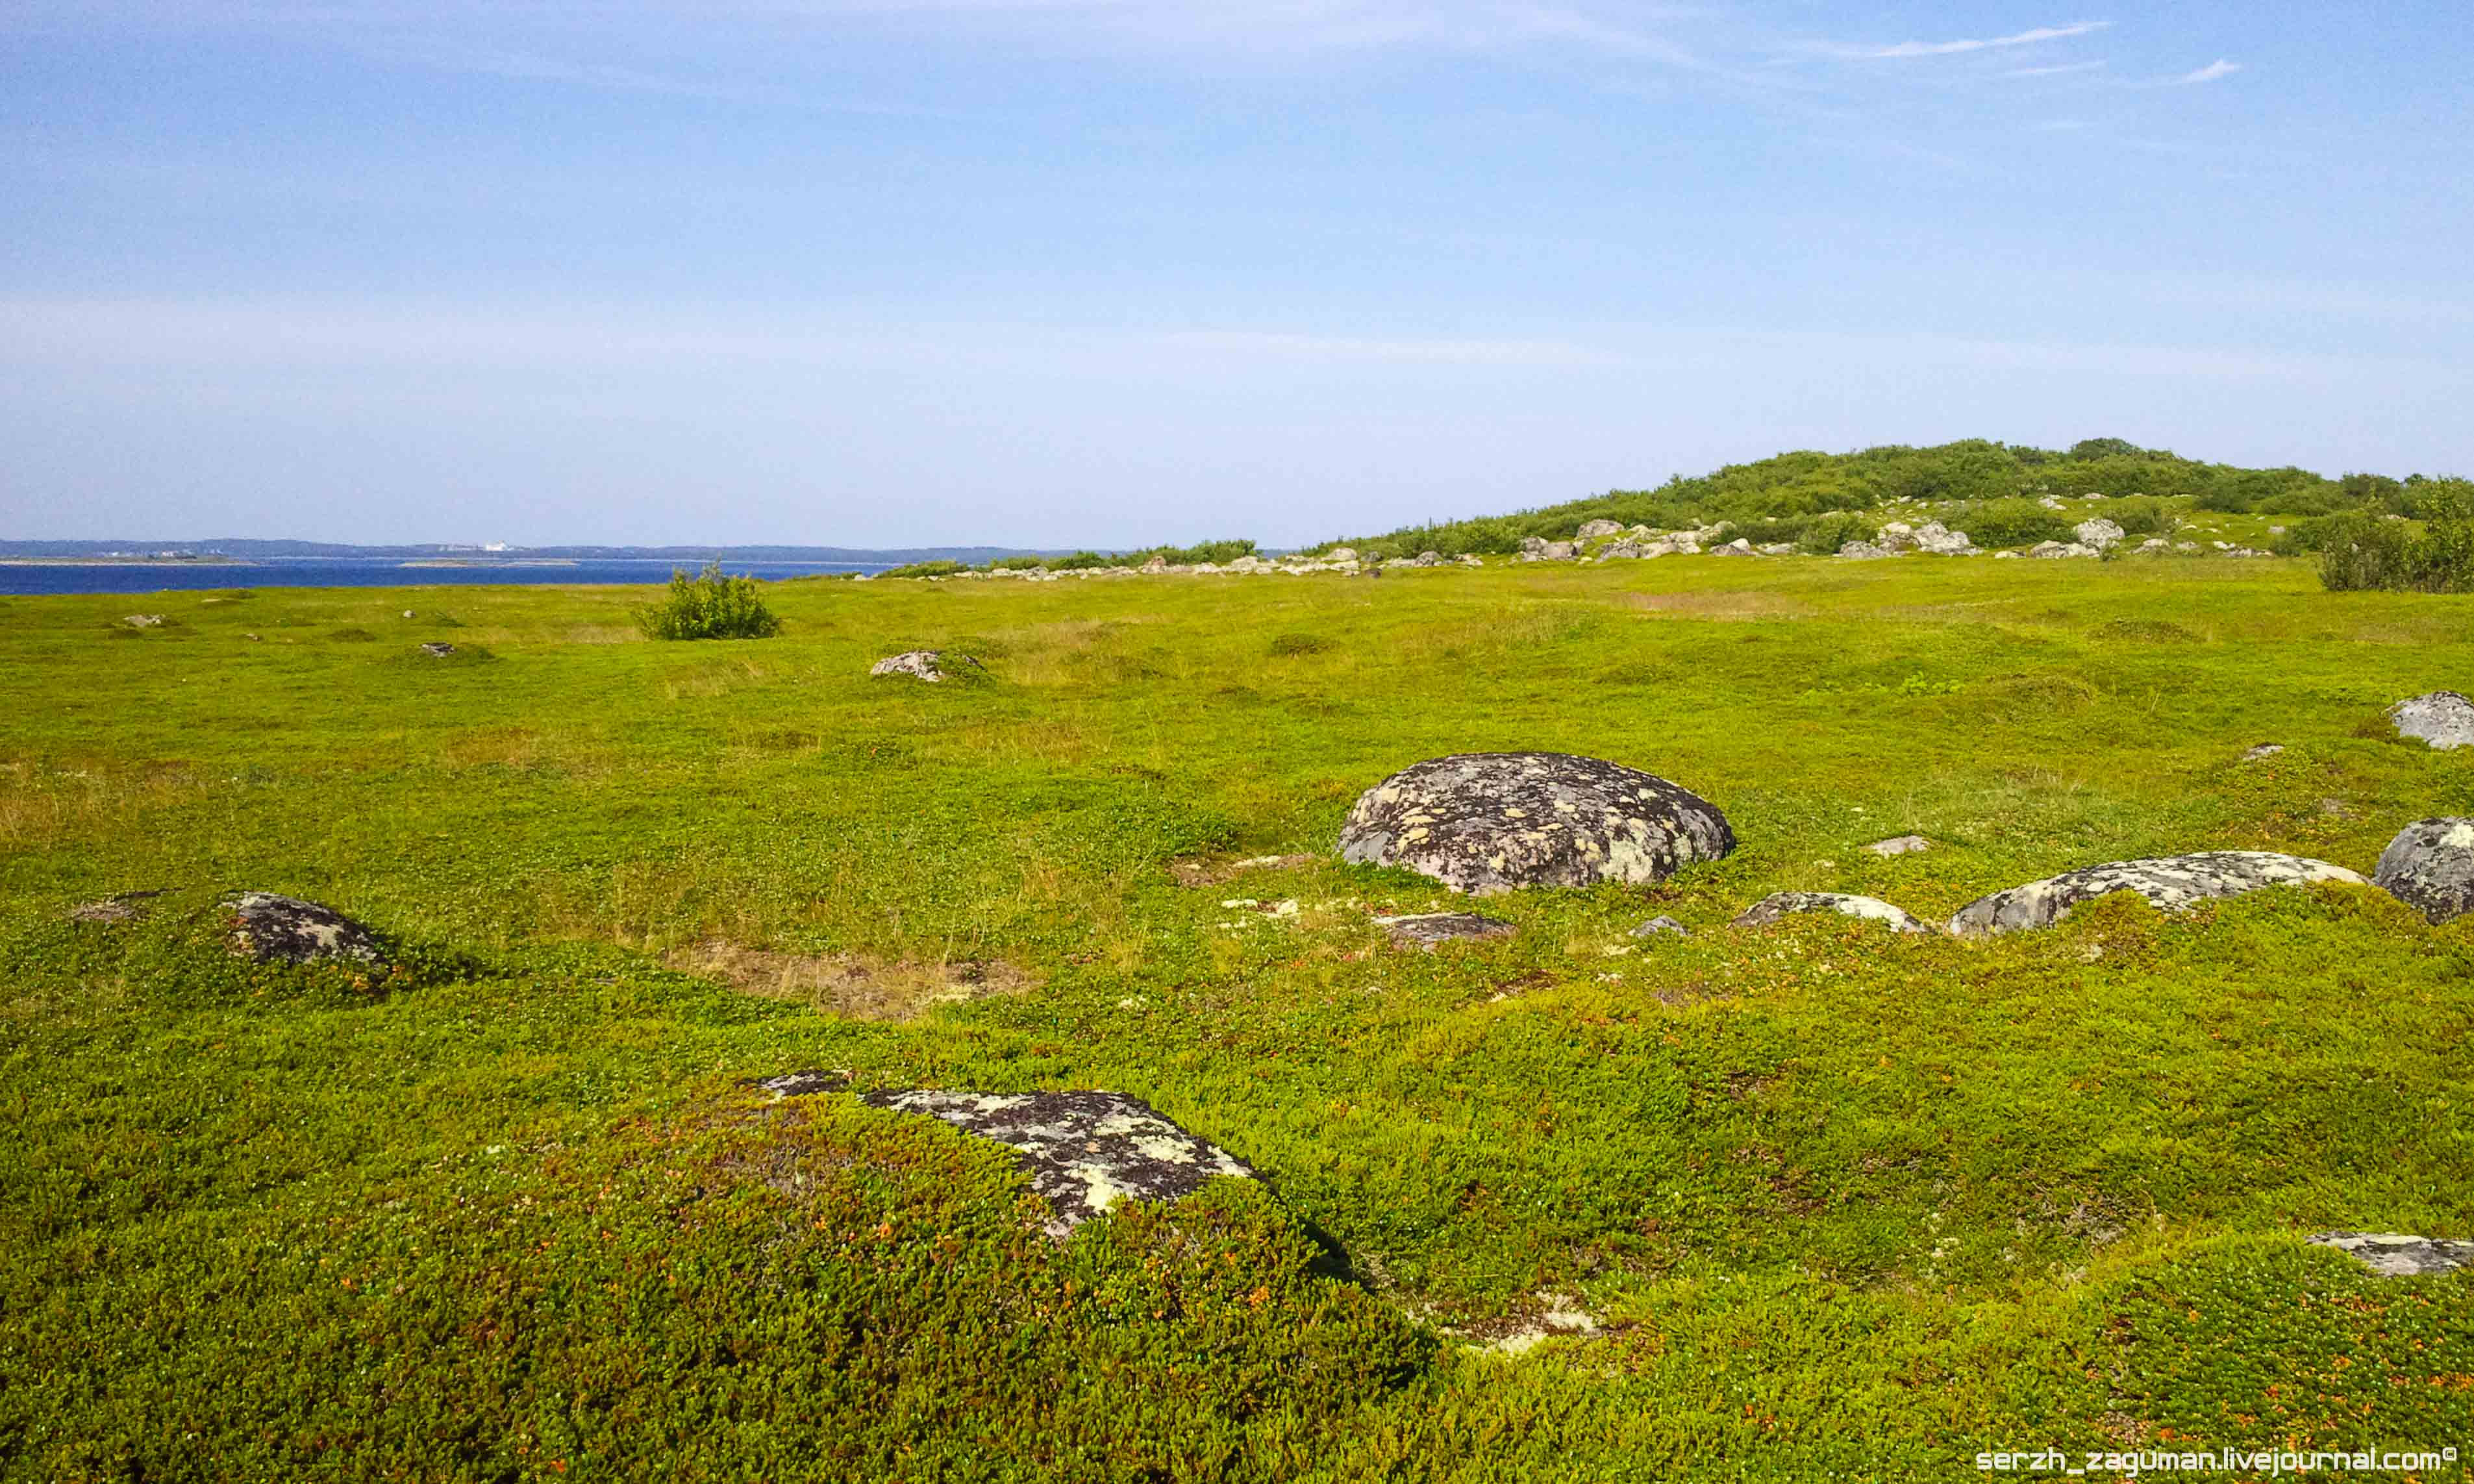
x=125 y=562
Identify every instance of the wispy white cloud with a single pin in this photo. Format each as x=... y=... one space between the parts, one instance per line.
x=1969 y=44
x=2218 y=68
x=2056 y=71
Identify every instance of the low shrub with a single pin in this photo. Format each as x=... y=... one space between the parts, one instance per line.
x=711 y=604
x=924 y=570
x=1081 y=561
x=1016 y=565
x=2364 y=552
x=1997 y=523
x=1823 y=535
x=2142 y=517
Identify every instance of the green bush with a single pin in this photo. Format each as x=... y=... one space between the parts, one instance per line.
x=1016 y=565
x=709 y=606
x=1997 y=523
x=1823 y=535
x=1081 y=561
x=2141 y=517
x=925 y=570
x=2362 y=551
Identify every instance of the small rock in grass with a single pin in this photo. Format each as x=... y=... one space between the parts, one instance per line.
x=1084 y=1151
x=2393 y=1254
x=926 y=664
x=436 y=650
x=2098 y=532
x=2430 y=867
x=2171 y=883
x=1903 y=844
x=1781 y=904
x=2264 y=750
x=803 y=1083
x=1429 y=928
x=144 y=620
x=277 y=929
x=2441 y=718
x=1661 y=924
x=123 y=908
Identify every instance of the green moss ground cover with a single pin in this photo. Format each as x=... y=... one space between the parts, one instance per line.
x=1843 y=1205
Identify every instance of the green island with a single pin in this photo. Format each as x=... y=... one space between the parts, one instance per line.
x=1803 y=1200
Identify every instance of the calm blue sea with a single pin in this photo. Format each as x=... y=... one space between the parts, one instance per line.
x=369 y=572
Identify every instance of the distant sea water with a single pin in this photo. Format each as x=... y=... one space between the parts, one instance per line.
x=368 y=572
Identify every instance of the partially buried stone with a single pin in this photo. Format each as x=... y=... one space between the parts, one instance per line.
x=1901 y=844
x=122 y=907
x=1427 y=929
x=437 y=650
x=277 y=929
x=1658 y=924
x=1784 y=905
x=2171 y=883
x=2396 y=1255
x=1084 y=1151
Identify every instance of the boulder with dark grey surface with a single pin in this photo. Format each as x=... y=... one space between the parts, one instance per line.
x=1483 y=822
x=2430 y=866
x=275 y=929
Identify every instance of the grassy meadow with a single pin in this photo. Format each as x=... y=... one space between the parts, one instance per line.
x=1839 y=1205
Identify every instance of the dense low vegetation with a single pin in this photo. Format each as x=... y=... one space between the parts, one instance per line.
x=711 y=604
x=1988 y=488
x=1841 y=1204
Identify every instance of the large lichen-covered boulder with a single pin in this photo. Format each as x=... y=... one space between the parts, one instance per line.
x=277 y=929
x=1483 y=822
x=1784 y=905
x=2172 y=883
x=2430 y=867
x=1084 y=1151
x=2443 y=718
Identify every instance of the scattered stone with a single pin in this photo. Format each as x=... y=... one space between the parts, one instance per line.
x=2098 y=532
x=123 y=908
x=2172 y=883
x=1738 y=548
x=1593 y=528
x=1341 y=554
x=2430 y=867
x=2051 y=549
x=1937 y=539
x=928 y=664
x=1084 y=1151
x=1484 y=822
x=1865 y=551
x=2393 y=1254
x=1778 y=549
x=1780 y=904
x=2005 y=556
x=144 y=620
x=2443 y=718
x=2154 y=543
x=407 y=613
x=805 y=1083
x=277 y=929
x=2050 y=502
x=253 y=638
x=2186 y=546
x=1661 y=924
x=2264 y=750
x=437 y=650
x=1429 y=928
x=1903 y=844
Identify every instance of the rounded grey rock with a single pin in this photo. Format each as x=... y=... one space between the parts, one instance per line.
x=926 y=664
x=1658 y=924
x=1898 y=845
x=2430 y=867
x=2443 y=718
x=1782 y=904
x=277 y=929
x=1483 y=822
x=2171 y=883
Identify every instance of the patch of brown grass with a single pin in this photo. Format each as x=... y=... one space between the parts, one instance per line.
x=860 y=989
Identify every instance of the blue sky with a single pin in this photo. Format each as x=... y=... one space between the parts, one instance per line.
x=1110 y=272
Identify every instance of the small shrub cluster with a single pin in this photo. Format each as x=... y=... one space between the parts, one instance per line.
x=2359 y=551
x=711 y=604
x=2012 y=524
x=925 y=570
